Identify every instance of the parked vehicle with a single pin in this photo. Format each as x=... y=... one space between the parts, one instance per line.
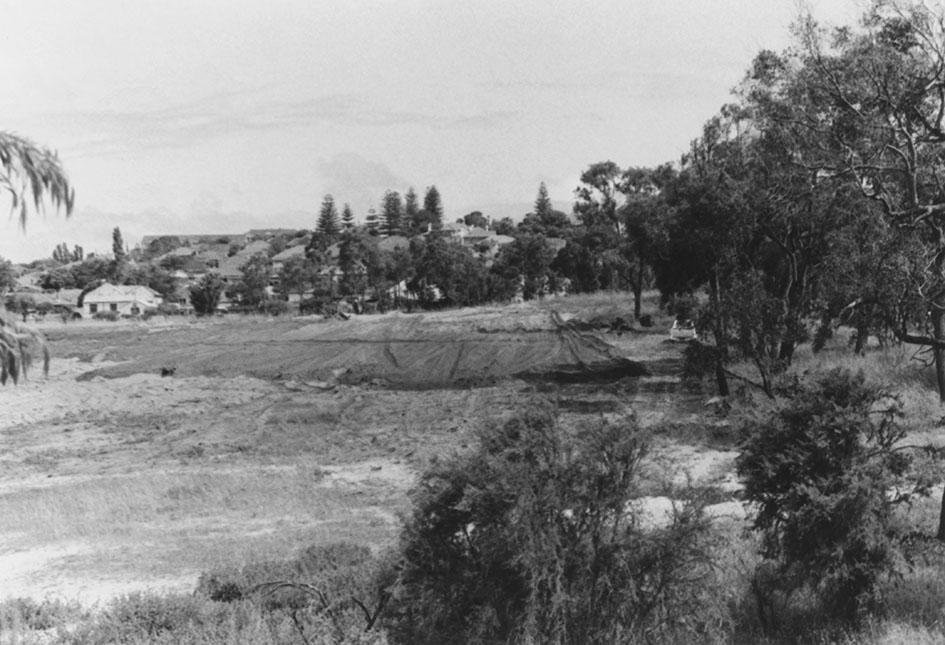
x=683 y=330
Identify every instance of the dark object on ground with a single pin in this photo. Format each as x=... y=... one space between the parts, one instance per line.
x=646 y=320
x=168 y=371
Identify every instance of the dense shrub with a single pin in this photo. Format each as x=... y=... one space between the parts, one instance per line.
x=533 y=538
x=274 y=307
x=106 y=315
x=822 y=469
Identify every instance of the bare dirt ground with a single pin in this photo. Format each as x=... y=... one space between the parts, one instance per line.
x=114 y=479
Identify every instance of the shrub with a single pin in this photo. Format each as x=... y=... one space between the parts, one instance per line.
x=821 y=469
x=29 y=614
x=274 y=307
x=532 y=538
x=111 y=316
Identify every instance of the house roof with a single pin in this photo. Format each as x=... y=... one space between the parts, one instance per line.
x=121 y=293
x=289 y=253
x=475 y=231
x=259 y=246
x=230 y=267
x=66 y=297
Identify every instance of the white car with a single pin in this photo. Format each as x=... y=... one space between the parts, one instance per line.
x=683 y=330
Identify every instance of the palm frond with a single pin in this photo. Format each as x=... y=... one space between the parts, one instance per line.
x=29 y=171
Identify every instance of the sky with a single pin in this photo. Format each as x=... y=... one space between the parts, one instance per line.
x=217 y=116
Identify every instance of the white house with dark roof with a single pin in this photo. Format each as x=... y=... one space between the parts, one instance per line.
x=127 y=300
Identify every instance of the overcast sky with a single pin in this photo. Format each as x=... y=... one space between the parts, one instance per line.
x=194 y=116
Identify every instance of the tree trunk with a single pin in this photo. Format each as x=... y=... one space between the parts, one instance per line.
x=638 y=291
x=941 y=521
x=720 y=379
x=938 y=330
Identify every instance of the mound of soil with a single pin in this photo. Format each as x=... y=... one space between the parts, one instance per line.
x=447 y=349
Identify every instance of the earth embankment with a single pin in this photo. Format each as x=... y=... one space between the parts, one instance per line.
x=399 y=351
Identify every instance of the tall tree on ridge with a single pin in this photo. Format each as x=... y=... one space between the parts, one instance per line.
x=412 y=218
x=392 y=213
x=543 y=206
x=328 y=218
x=433 y=205
x=347 y=217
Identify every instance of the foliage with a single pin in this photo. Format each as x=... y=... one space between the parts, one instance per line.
x=63 y=255
x=162 y=245
x=528 y=259
x=7 y=276
x=532 y=538
x=392 y=213
x=30 y=174
x=252 y=288
x=205 y=295
x=822 y=468
x=328 y=224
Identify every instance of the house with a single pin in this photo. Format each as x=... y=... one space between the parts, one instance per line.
x=127 y=300
x=251 y=249
x=279 y=259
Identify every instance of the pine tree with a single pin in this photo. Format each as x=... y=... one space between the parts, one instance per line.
x=347 y=218
x=392 y=213
x=412 y=216
x=328 y=218
x=372 y=221
x=433 y=206
x=543 y=206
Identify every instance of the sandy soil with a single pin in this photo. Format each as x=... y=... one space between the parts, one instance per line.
x=109 y=485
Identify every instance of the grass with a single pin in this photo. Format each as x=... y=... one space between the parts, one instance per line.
x=195 y=489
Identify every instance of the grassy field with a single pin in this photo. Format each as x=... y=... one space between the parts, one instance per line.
x=115 y=481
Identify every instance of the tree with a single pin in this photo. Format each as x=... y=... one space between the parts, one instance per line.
x=543 y=205
x=328 y=225
x=119 y=257
x=597 y=198
x=356 y=252
x=476 y=218
x=504 y=226
x=253 y=288
x=528 y=259
x=413 y=217
x=347 y=218
x=28 y=174
x=821 y=470
x=295 y=276
x=118 y=246
x=392 y=213
x=205 y=295
x=7 y=276
x=532 y=539
x=433 y=205
x=63 y=255
x=162 y=245
x=373 y=222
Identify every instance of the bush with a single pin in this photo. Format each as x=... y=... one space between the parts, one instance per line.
x=274 y=307
x=820 y=469
x=533 y=539
x=111 y=316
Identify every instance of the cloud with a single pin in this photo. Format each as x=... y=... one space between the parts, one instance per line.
x=118 y=131
x=359 y=181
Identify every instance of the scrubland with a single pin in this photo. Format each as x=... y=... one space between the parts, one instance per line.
x=131 y=504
